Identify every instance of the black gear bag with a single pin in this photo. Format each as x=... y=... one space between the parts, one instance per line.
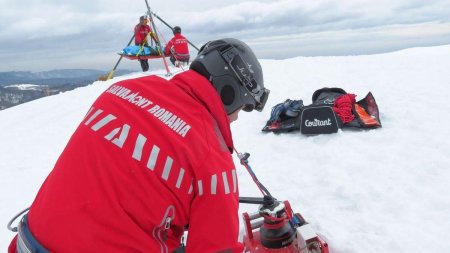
x=324 y=115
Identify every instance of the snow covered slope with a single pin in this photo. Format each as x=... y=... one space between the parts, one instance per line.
x=382 y=190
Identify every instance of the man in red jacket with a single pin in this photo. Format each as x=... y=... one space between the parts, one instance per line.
x=151 y=158
x=141 y=31
x=177 y=48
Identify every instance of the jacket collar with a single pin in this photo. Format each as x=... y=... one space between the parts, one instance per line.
x=202 y=90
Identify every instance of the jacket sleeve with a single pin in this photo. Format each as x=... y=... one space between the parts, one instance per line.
x=168 y=47
x=214 y=221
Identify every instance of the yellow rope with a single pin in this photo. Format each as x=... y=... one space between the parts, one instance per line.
x=145 y=41
x=142 y=46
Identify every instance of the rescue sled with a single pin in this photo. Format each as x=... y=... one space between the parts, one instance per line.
x=140 y=53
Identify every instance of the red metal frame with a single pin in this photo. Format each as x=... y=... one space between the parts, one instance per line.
x=252 y=241
x=143 y=57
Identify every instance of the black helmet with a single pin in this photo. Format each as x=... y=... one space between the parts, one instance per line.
x=176 y=29
x=234 y=71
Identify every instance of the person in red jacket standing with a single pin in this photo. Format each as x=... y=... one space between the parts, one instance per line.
x=177 y=48
x=141 y=33
x=151 y=158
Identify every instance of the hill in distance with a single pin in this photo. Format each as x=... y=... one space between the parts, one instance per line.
x=17 y=87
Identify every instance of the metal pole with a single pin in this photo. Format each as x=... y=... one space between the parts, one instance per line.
x=111 y=73
x=157 y=38
x=171 y=28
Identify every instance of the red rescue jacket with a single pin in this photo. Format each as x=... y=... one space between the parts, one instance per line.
x=140 y=32
x=150 y=157
x=179 y=45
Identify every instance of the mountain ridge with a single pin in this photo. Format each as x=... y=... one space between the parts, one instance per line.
x=54 y=77
x=47 y=83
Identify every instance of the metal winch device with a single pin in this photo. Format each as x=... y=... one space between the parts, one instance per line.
x=275 y=227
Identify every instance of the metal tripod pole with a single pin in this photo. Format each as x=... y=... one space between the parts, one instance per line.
x=158 y=44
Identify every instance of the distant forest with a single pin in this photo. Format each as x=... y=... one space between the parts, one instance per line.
x=46 y=83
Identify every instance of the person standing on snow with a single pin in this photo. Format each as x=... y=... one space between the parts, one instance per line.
x=177 y=48
x=141 y=31
x=151 y=158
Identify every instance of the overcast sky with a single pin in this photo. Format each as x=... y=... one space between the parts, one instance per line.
x=37 y=35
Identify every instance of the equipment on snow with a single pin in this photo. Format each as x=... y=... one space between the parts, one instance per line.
x=275 y=227
x=284 y=116
x=233 y=69
x=332 y=108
